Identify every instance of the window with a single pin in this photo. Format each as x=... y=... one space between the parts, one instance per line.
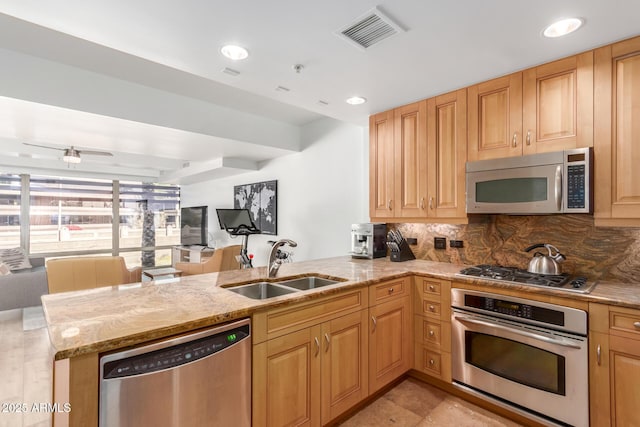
x=70 y=215
x=9 y=211
x=148 y=216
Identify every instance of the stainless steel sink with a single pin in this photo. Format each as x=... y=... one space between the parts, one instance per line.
x=261 y=290
x=309 y=282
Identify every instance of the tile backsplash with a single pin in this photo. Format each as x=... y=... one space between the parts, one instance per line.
x=606 y=252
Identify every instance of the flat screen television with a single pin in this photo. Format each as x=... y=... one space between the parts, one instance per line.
x=193 y=226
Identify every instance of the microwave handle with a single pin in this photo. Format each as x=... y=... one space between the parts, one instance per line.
x=558 y=188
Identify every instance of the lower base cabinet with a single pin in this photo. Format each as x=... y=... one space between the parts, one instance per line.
x=614 y=354
x=309 y=377
x=390 y=342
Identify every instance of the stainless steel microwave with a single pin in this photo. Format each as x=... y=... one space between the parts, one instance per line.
x=545 y=183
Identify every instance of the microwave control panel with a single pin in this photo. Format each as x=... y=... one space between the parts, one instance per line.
x=578 y=180
x=576 y=187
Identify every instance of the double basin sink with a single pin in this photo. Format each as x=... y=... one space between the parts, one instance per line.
x=265 y=290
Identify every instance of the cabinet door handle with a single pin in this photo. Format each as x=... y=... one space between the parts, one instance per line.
x=599 y=355
x=374 y=322
x=431 y=202
x=515 y=139
x=431 y=333
x=390 y=291
x=317 y=345
x=328 y=340
x=389 y=204
x=432 y=288
x=528 y=137
x=636 y=324
x=422 y=203
x=432 y=308
x=431 y=362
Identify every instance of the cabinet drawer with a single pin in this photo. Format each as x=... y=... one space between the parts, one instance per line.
x=428 y=286
x=433 y=333
x=625 y=321
x=389 y=290
x=430 y=308
x=433 y=362
x=280 y=321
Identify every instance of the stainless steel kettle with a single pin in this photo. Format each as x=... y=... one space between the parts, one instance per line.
x=545 y=264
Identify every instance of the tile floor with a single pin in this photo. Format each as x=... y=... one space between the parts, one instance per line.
x=413 y=403
x=25 y=378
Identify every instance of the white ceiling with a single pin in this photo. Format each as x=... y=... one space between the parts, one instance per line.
x=144 y=78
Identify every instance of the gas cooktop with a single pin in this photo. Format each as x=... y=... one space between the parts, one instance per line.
x=523 y=277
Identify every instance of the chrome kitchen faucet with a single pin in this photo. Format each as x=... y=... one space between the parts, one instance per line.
x=274 y=260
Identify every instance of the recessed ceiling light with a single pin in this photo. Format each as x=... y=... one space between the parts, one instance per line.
x=356 y=100
x=234 y=52
x=562 y=27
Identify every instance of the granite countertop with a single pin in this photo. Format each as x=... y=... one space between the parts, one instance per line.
x=113 y=317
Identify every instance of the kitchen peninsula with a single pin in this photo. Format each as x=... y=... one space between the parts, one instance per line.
x=84 y=324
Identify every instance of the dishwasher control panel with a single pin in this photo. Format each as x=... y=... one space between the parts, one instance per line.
x=171 y=357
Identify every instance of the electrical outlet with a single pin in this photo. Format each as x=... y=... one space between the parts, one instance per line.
x=440 y=242
x=456 y=243
x=411 y=241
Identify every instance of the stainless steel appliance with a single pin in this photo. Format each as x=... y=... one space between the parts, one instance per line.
x=518 y=276
x=545 y=264
x=199 y=379
x=528 y=356
x=546 y=183
x=368 y=240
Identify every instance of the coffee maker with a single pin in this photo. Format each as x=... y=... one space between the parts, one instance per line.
x=368 y=240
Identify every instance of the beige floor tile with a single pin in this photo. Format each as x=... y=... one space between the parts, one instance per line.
x=417 y=397
x=382 y=413
x=456 y=412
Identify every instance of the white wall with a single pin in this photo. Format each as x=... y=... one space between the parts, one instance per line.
x=321 y=191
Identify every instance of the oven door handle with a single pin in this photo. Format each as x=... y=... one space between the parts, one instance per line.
x=517 y=331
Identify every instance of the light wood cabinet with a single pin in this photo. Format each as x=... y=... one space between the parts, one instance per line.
x=427 y=170
x=447 y=155
x=410 y=148
x=381 y=165
x=310 y=361
x=542 y=109
x=617 y=131
x=398 y=162
x=558 y=105
x=495 y=118
x=432 y=325
x=390 y=333
x=614 y=354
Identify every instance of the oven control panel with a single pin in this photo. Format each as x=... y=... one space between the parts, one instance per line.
x=514 y=309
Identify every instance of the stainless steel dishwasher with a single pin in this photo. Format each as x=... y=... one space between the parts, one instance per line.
x=199 y=379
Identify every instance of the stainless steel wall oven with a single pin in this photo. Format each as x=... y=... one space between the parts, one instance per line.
x=529 y=356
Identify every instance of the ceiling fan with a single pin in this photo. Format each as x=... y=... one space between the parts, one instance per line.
x=71 y=155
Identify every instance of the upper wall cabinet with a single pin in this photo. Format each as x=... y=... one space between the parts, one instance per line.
x=398 y=162
x=447 y=146
x=546 y=108
x=495 y=118
x=558 y=105
x=617 y=134
x=381 y=162
x=417 y=165
x=410 y=147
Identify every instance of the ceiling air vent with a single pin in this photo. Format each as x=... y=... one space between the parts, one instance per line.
x=370 y=29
